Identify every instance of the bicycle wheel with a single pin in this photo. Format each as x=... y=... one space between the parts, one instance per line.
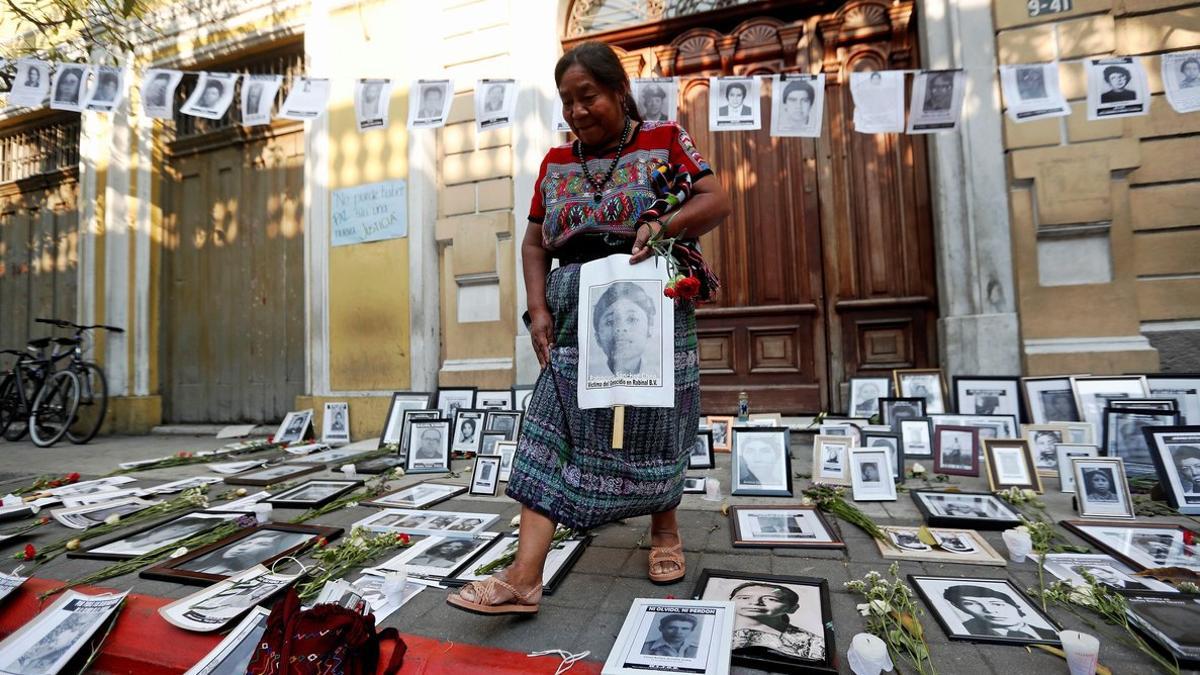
x=93 y=403
x=13 y=420
x=54 y=408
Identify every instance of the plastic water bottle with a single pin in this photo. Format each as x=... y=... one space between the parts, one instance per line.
x=743 y=407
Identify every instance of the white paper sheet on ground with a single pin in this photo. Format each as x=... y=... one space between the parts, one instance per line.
x=626 y=334
x=89 y=486
x=878 y=101
x=83 y=517
x=1031 y=92
x=46 y=644
x=306 y=449
x=936 y=104
x=233 y=654
x=182 y=484
x=236 y=467
x=335 y=425
x=1116 y=88
x=236 y=431
x=101 y=497
x=1181 y=80
x=371 y=586
x=141 y=462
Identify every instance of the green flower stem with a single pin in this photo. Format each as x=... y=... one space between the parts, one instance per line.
x=561 y=534
x=832 y=500
x=192 y=458
x=335 y=561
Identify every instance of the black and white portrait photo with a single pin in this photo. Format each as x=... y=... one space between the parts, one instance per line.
x=958 y=543
x=624 y=319
x=306 y=99
x=108 y=88
x=1124 y=436
x=733 y=104
x=429 y=447
x=468 y=431
x=418 y=496
x=434 y=557
x=891 y=442
x=702 y=456
x=246 y=552
x=371 y=98
x=892 y=410
x=212 y=96
x=507 y=422
x=408 y=417
x=656 y=97
x=984 y=610
x=495 y=104
x=956 y=450
x=312 y=494
x=797 y=106
x=1179 y=453
x=48 y=643
x=964 y=509
x=878 y=102
x=161 y=535
x=771 y=526
x=865 y=393
x=1181 y=80
x=1050 y=399
x=871 y=474
x=450 y=401
x=335 y=427
x=906 y=539
x=780 y=615
x=486 y=477
x=1044 y=440
x=1116 y=88
x=1010 y=464
x=923 y=384
x=293 y=427
x=937 y=99
x=722 y=430
x=831 y=460
x=258 y=98
x=1101 y=487
x=1066 y=452
x=987 y=396
x=428 y=523
x=917 y=436
x=158 y=92
x=1031 y=92
x=67 y=88
x=674 y=636
x=429 y=103
x=761 y=464
x=1075 y=568
x=30 y=84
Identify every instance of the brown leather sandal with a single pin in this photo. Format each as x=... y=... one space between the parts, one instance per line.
x=494 y=596
x=665 y=557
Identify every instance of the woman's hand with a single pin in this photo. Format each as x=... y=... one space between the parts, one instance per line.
x=541 y=331
x=644 y=232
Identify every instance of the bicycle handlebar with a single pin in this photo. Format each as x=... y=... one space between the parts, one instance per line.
x=67 y=324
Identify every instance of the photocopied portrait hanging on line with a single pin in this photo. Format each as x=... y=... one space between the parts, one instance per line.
x=878 y=101
x=31 y=84
x=1181 y=80
x=306 y=99
x=495 y=104
x=797 y=103
x=258 y=97
x=1031 y=92
x=626 y=334
x=429 y=103
x=158 y=93
x=1116 y=88
x=212 y=96
x=108 y=88
x=371 y=99
x=657 y=98
x=733 y=104
x=937 y=98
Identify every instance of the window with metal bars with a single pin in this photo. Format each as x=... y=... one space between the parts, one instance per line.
x=40 y=149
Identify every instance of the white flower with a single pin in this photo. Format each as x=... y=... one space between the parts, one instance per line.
x=73 y=545
x=1028 y=494
x=863 y=609
x=179 y=552
x=241 y=492
x=805 y=501
x=1083 y=595
x=399 y=472
x=880 y=607
x=112 y=520
x=515 y=522
x=918 y=469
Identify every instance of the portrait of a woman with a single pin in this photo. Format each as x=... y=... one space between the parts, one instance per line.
x=588 y=203
x=623 y=323
x=762 y=621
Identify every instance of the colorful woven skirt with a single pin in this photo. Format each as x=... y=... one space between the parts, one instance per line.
x=566 y=468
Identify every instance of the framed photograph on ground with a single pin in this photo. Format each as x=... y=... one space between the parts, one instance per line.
x=973 y=510
x=419 y=496
x=765 y=420
x=1093 y=392
x=1184 y=388
x=1079 y=433
x=435 y=558
x=406 y=421
x=1124 y=438
x=722 y=432
x=1170 y=622
x=831 y=460
x=762 y=463
x=673 y=636
x=295 y=427
x=781 y=526
x=561 y=559
x=892 y=410
x=843 y=429
x=951 y=546
x=869 y=469
x=498 y=399
x=333 y=456
x=984 y=610
x=211 y=609
x=917 y=434
x=144 y=540
x=1050 y=399
x=335 y=427
x=485 y=479
x=1010 y=464
x=891 y=441
x=1067 y=452
x=468 y=432
x=378 y=465
x=504 y=422
x=491 y=441
x=1143 y=545
x=1104 y=569
x=453 y=399
x=312 y=494
x=522 y=395
x=1102 y=490
x=91 y=515
x=781 y=624
x=428 y=523
x=865 y=393
x=693 y=485
x=923 y=383
x=1043 y=440
x=61 y=636
x=1176 y=455
x=393 y=426
x=507 y=451
x=233 y=654
x=975 y=395
x=956 y=450
x=702 y=452
x=238 y=552
x=431 y=451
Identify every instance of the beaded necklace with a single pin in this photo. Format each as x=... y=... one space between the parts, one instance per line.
x=598 y=185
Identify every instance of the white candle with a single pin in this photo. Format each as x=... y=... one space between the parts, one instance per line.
x=868 y=655
x=262 y=513
x=1019 y=544
x=1083 y=651
x=350 y=471
x=394 y=583
x=712 y=490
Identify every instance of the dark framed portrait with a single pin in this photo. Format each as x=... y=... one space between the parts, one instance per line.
x=969 y=510
x=892 y=409
x=1123 y=436
x=1050 y=399
x=493 y=399
x=1169 y=620
x=562 y=557
x=312 y=494
x=956 y=450
x=702 y=455
x=781 y=527
x=468 y=431
x=393 y=425
x=979 y=395
x=894 y=445
x=419 y=496
x=762 y=462
x=1183 y=388
x=507 y=422
x=984 y=610
x=450 y=400
x=261 y=545
x=917 y=435
x=153 y=537
x=430 y=440
x=1176 y=454
x=1143 y=546
x=271 y=475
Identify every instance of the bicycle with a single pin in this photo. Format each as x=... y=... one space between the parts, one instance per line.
x=93 y=393
x=37 y=399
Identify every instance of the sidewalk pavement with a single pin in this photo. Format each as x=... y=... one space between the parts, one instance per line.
x=589 y=607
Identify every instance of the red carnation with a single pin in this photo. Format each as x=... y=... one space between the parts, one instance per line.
x=688 y=287
x=404 y=538
x=183 y=454
x=669 y=292
x=72 y=477
x=1189 y=538
x=54 y=483
x=30 y=552
x=44 y=521
x=322 y=542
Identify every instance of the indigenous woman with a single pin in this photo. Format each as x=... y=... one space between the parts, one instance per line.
x=594 y=198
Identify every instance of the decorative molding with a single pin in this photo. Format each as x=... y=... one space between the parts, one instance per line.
x=1170 y=326
x=470 y=365
x=1131 y=343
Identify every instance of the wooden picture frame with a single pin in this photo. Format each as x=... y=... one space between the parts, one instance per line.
x=792 y=525
x=1043 y=441
x=172 y=569
x=252 y=477
x=945 y=434
x=998 y=454
x=722 y=429
x=1048 y=398
x=287 y=500
x=934 y=404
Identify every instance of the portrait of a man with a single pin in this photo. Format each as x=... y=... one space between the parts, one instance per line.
x=1045 y=447
x=1108 y=576
x=995 y=613
x=1117 y=78
x=624 y=324
x=653 y=103
x=1190 y=69
x=939 y=92
x=735 y=96
x=1031 y=83
x=677 y=636
x=762 y=619
x=213 y=90
x=870 y=472
x=429 y=444
x=867 y=401
x=798 y=100
x=956 y=449
x=1187 y=463
x=369 y=105
x=493 y=99
x=432 y=99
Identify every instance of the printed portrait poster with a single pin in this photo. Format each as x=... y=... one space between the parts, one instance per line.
x=797 y=105
x=335 y=427
x=371 y=99
x=258 y=97
x=1116 y=88
x=734 y=104
x=878 y=101
x=306 y=99
x=1181 y=80
x=626 y=334
x=212 y=97
x=67 y=87
x=429 y=103
x=937 y=99
x=495 y=104
x=31 y=84
x=158 y=92
x=108 y=88
x=1031 y=92
x=657 y=98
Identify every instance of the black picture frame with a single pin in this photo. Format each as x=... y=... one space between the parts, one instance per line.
x=406 y=420
x=248 y=477
x=443 y=466
x=515 y=415
x=901 y=374
x=467 y=414
x=170 y=569
x=991 y=504
x=482 y=394
x=768 y=659
x=380 y=503
x=1153 y=403
x=738 y=540
x=486 y=448
x=419 y=400
x=693 y=485
x=887 y=415
x=520 y=393
x=481 y=461
x=1010 y=382
x=283 y=501
x=741 y=435
x=1109 y=447
x=1184 y=388
x=1077 y=527
x=893 y=440
x=710 y=460
x=1169 y=475
x=1142 y=603
x=444 y=407
x=377 y=465
x=883 y=381
x=939 y=467
x=913 y=421
x=914 y=580
x=90 y=552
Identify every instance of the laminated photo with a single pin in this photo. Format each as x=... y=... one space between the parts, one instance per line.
x=1181 y=80
x=233 y=654
x=1032 y=92
x=212 y=96
x=984 y=610
x=160 y=536
x=158 y=93
x=429 y=103
x=797 y=105
x=1116 y=88
x=306 y=99
x=293 y=426
x=495 y=104
x=657 y=98
x=562 y=556
x=83 y=517
x=67 y=87
x=31 y=83
x=243 y=505
x=673 y=636
x=9 y=583
x=258 y=97
x=734 y=104
x=212 y=608
x=878 y=101
x=108 y=88
x=937 y=99
x=335 y=429
x=434 y=557
x=1103 y=569
x=49 y=642
x=428 y=523
x=626 y=334
x=371 y=99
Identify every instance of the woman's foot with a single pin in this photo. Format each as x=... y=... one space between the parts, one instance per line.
x=666 y=558
x=495 y=595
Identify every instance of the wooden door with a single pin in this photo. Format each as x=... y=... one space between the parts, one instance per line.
x=233 y=302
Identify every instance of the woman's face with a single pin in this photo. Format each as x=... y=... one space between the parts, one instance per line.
x=1118 y=80
x=592 y=110
x=1100 y=482
x=249 y=545
x=623 y=330
x=755 y=602
x=68 y=86
x=760 y=459
x=735 y=97
x=1191 y=70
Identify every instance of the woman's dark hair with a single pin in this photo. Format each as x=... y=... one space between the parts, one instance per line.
x=622 y=290
x=602 y=63
x=786 y=595
x=1186 y=62
x=736 y=85
x=1116 y=70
